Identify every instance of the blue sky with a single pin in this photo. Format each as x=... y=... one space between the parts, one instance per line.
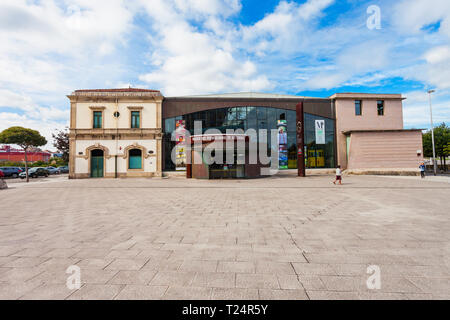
x=314 y=48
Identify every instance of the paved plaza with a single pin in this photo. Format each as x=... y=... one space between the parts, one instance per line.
x=274 y=238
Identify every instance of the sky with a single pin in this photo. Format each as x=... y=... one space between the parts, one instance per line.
x=50 y=48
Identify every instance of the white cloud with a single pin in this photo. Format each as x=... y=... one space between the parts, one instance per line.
x=32 y=115
x=190 y=59
x=286 y=29
x=81 y=25
x=416 y=108
x=438 y=55
x=49 y=48
x=411 y=16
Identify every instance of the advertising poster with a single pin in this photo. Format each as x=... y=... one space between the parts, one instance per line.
x=320 y=131
x=180 y=145
x=282 y=144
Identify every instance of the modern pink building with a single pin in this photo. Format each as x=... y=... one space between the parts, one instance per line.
x=370 y=134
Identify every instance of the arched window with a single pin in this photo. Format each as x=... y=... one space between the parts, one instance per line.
x=135 y=159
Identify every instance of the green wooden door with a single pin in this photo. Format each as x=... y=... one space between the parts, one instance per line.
x=96 y=166
x=135 y=162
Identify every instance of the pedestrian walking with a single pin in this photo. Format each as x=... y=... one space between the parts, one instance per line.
x=422 y=170
x=338 y=175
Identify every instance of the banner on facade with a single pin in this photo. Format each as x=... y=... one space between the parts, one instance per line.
x=320 y=131
x=282 y=144
x=180 y=145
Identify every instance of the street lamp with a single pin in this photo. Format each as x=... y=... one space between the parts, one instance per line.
x=432 y=132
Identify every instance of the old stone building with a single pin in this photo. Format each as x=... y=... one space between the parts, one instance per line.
x=115 y=133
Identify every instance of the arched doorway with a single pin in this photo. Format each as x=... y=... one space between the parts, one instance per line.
x=135 y=159
x=97 y=164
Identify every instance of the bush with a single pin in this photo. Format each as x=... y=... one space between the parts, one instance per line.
x=52 y=162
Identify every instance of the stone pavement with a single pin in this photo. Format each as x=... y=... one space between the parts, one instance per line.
x=273 y=238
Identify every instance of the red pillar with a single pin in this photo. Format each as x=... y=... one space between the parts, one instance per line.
x=300 y=127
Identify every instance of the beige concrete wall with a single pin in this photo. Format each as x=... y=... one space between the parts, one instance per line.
x=149 y=163
x=147 y=137
x=84 y=114
x=391 y=149
x=346 y=119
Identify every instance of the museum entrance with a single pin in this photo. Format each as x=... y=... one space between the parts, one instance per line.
x=229 y=170
x=208 y=158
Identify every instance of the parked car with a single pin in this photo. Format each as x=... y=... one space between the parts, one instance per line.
x=1 y=174
x=53 y=170
x=64 y=169
x=35 y=172
x=11 y=171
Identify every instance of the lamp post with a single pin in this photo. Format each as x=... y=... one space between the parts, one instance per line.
x=432 y=132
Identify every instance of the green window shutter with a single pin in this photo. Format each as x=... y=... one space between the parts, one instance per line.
x=135 y=121
x=97 y=119
x=135 y=162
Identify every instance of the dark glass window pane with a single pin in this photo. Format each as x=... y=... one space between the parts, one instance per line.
x=241 y=113
x=262 y=124
x=169 y=125
x=358 y=107
x=251 y=124
x=321 y=155
x=292 y=149
x=291 y=118
x=231 y=114
x=189 y=121
x=97 y=119
x=380 y=107
x=211 y=118
x=261 y=113
x=272 y=118
x=220 y=116
x=251 y=113
x=135 y=115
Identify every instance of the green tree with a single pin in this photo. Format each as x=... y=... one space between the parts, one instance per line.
x=441 y=142
x=23 y=137
x=447 y=148
x=61 y=142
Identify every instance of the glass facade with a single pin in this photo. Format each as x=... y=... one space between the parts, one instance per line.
x=259 y=118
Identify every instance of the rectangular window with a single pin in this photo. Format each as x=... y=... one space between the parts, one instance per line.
x=135 y=119
x=358 y=107
x=380 y=107
x=97 y=119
